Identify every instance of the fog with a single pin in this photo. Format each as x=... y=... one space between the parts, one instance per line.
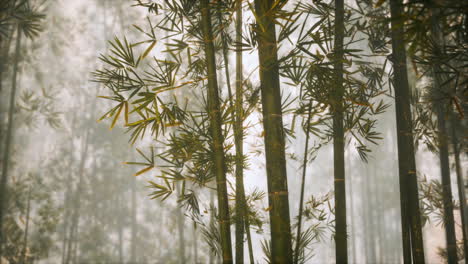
x=85 y=185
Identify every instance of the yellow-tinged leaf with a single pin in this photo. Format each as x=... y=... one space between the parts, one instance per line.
x=173 y=124
x=105 y=97
x=144 y=170
x=147 y=51
x=126 y=112
x=116 y=116
x=359 y=103
x=268 y=208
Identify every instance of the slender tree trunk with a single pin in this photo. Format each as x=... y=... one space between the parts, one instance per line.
x=352 y=223
x=211 y=259
x=195 y=243
x=120 y=227
x=133 y=225
x=65 y=225
x=281 y=248
x=371 y=258
x=73 y=239
x=69 y=242
x=249 y=238
x=365 y=213
x=410 y=214
x=5 y=45
x=301 y=199
x=341 y=249
x=461 y=188
x=237 y=116
x=180 y=228
x=3 y=61
x=240 y=190
x=238 y=141
x=368 y=236
x=216 y=133
x=380 y=214
x=76 y=244
x=9 y=138
x=26 y=231
x=68 y=196
x=449 y=221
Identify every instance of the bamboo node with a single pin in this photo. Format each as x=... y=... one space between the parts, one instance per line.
x=278 y=193
x=227 y=221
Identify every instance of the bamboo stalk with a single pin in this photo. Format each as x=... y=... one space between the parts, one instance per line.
x=9 y=138
x=216 y=133
x=341 y=248
x=461 y=188
x=412 y=238
x=304 y=171
x=281 y=248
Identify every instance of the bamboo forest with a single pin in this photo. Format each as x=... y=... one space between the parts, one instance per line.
x=233 y=131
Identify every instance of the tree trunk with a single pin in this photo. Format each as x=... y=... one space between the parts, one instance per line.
x=301 y=199
x=120 y=215
x=66 y=220
x=69 y=242
x=352 y=223
x=449 y=221
x=211 y=259
x=5 y=46
x=68 y=195
x=409 y=201
x=368 y=236
x=341 y=249
x=180 y=229
x=237 y=116
x=281 y=248
x=372 y=257
x=26 y=231
x=216 y=133
x=133 y=225
x=380 y=214
x=9 y=138
x=240 y=190
x=461 y=188
x=195 y=243
x=73 y=240
x=239 y=141
x=365 y=212
x=249 y=238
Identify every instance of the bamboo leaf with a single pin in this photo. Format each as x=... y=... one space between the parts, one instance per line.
x=148 y=50
x=143 y=171
x=117 y=115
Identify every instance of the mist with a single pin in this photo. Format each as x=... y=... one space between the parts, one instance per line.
x=233 y=131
